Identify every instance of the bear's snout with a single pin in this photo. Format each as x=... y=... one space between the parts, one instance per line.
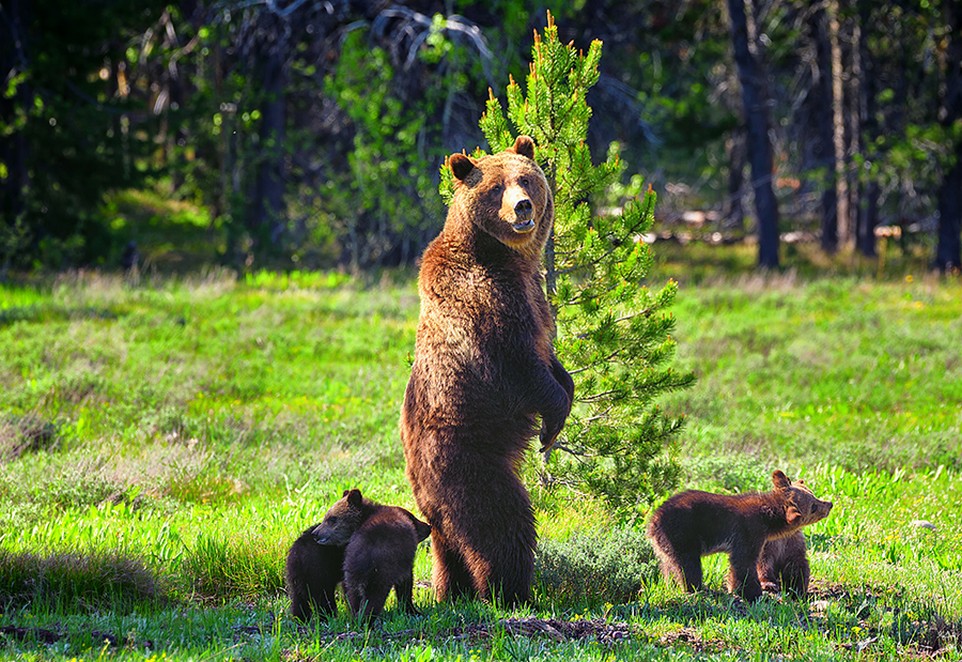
x=524 y=216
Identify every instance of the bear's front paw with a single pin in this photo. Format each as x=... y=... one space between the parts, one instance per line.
x=548 y=437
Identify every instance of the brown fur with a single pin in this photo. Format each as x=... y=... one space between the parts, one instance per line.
x=783 y=565
x=312 y=573
x=336 y=550
x=692 y=524
x=379 y=544
x=381 y=556
x=484 y=370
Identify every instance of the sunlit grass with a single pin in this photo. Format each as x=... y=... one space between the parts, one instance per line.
x=163 y=443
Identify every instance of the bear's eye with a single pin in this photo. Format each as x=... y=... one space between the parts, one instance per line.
x=523 y=181
x=332 y=520
x=497 y=188
x=813 y=509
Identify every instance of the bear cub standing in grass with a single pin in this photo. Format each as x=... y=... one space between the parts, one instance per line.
x=368 y=546
x=783 y=565
x=693 y=524
x=313 y=572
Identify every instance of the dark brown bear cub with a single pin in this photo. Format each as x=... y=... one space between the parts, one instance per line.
x=783 y=565
x=484 y=373
x=693 y=524
x=313 y=572
x=379 y=543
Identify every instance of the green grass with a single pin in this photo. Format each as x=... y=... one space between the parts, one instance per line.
x=163 y=443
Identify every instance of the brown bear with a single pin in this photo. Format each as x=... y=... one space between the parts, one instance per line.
x=692 y=524
x=379 y=543
x=484 y=371
x=313 y=572
x=783 y=565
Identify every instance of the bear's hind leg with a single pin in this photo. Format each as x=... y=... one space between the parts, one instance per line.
x=366 y=598
x=504 y=577
x=404 y=593
x=450 y=575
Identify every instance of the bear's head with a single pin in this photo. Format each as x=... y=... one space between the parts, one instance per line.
x=341 y=520
x=506 y=195
x=802 y=507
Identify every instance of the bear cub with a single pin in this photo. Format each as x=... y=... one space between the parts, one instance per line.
x=693 y=524
x=312 y=574
x=378 y=544
x=783 y=565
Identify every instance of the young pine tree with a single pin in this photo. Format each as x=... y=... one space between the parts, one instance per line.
x=613 y=331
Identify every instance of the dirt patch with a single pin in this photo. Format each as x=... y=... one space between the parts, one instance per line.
x=561 y=631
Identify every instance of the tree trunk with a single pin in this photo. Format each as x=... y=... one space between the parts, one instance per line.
x=824 y=150
x=734 y=213
x=842 y=216
x=947 y=253
x=266 y=217
x=755 y=99
x=868 y=208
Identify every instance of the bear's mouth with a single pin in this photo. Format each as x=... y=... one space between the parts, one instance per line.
x=523 y=226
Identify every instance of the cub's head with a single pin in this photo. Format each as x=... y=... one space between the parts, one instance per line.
x=341 y=521
x=506 y=195
x=801 y=505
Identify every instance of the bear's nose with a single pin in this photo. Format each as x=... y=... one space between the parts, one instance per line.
x=523 y=208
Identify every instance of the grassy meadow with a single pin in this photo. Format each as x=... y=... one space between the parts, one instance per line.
x=163 y=442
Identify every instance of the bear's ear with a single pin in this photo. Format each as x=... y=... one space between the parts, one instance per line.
x=792 y=516
x=354 y=498
x=423 y=529
x=461 y=165
x=780 y=480
x=524 y=146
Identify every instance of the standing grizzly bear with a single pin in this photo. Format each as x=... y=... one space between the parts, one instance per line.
x=368 y=546
x=484 y=370
x=783 y=565
x=379 y=544
x=692 y=524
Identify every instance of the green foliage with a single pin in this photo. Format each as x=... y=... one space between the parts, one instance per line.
x=389 y=190
x=71 y=581
x=613 y=331
x=595 y=567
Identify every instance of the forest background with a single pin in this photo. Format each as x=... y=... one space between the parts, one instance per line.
x=302 y=134
x=167 y=432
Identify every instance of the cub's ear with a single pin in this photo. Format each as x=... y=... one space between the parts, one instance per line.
x=780 y=480
x=423 y=529
x=461 y=165
x=354 y=498
x=524 y=146
x=792 y=516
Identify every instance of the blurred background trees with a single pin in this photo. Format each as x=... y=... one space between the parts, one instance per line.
x=300 y=133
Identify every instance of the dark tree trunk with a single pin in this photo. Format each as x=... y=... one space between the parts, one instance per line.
x=824 y=148
x=868 y=88
x=947 y=253
x=734 y=212
x=13 y=146
x=266 y=218
x=755 y=99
